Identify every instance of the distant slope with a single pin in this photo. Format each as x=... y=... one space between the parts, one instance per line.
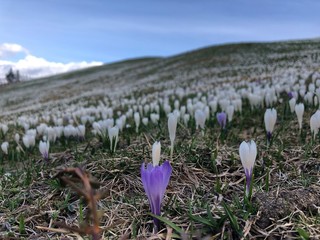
x=232 y=62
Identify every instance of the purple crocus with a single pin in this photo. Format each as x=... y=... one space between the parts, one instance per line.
x=222 y=119
x=155 y=180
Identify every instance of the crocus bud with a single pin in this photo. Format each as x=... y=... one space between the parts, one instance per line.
x=172 y=126
x=200 y=118
x=299 y=109
x=17 y=138
x=308 y=98
x=81 y=131
x=186 y=119
x=29 y=140
x=183 y=110
x=176 y=104
x=248 y=154
x=156 y=150
x=44 y=149
x=315 y=101
x=51 y=134
x=222 y=119
x=113 y=136
x=154 y=118
x=4 y=147
x=230 y=112
x=4 y=129
x=167 y=109
x=292 y=104
x=213 y=105
x=25 y=140
x=137 y=120
x=315 y=123
x=270 y=118
x=145 y=121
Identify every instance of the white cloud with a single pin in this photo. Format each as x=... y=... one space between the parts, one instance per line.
x=34 y=67
x=9 y=49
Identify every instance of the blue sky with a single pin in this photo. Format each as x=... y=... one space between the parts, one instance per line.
x=64 y=31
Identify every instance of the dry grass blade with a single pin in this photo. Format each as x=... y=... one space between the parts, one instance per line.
x=91 y=197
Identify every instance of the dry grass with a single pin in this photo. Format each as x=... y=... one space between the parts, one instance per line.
x=206 y=171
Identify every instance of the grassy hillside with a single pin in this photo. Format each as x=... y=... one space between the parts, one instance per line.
x=246 y=60
x=86 y=186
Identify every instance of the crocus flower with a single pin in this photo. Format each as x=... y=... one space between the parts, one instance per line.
x=200 y=118
x=270 y=118
x=230 y=112
x=113 y=137
x=292 y=104
x=17 y=138
x=315 y=123
x=156 y=151
x=186 y=119
x=155 y=180
x=154 y=118
x=29 y=140
x=145 y=121
x=299 y=109
x=213 y=105
x=4 y=147
x=137 y=120
x=172 y=126
x=81 y=131
x=290 y=95
x=248 y=154
x=315 y=101
x=4 y=128
x=44 y=149
x=222 y=119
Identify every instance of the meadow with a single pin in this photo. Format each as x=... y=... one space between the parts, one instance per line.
x=73 y=147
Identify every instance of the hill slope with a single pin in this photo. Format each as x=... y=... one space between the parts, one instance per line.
x=232 y=62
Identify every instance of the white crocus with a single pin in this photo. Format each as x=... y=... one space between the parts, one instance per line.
x=25 y=140
x=270 y=118
x=4 y=129
x=137 y=120
x=200 y=118
x=154 y=118
x=315 y=123
x=17 y=138
x=299 y=109
x=81 y=131
x=145 y=121
x=4 y=147
x=44 y=149
x=315 y=101
x=156 y=151
x=248 y=154
x=172 y=126
x=292 y=104
x=230 y=112
x=186 y=119
x=29 y=140
x=113 y=137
